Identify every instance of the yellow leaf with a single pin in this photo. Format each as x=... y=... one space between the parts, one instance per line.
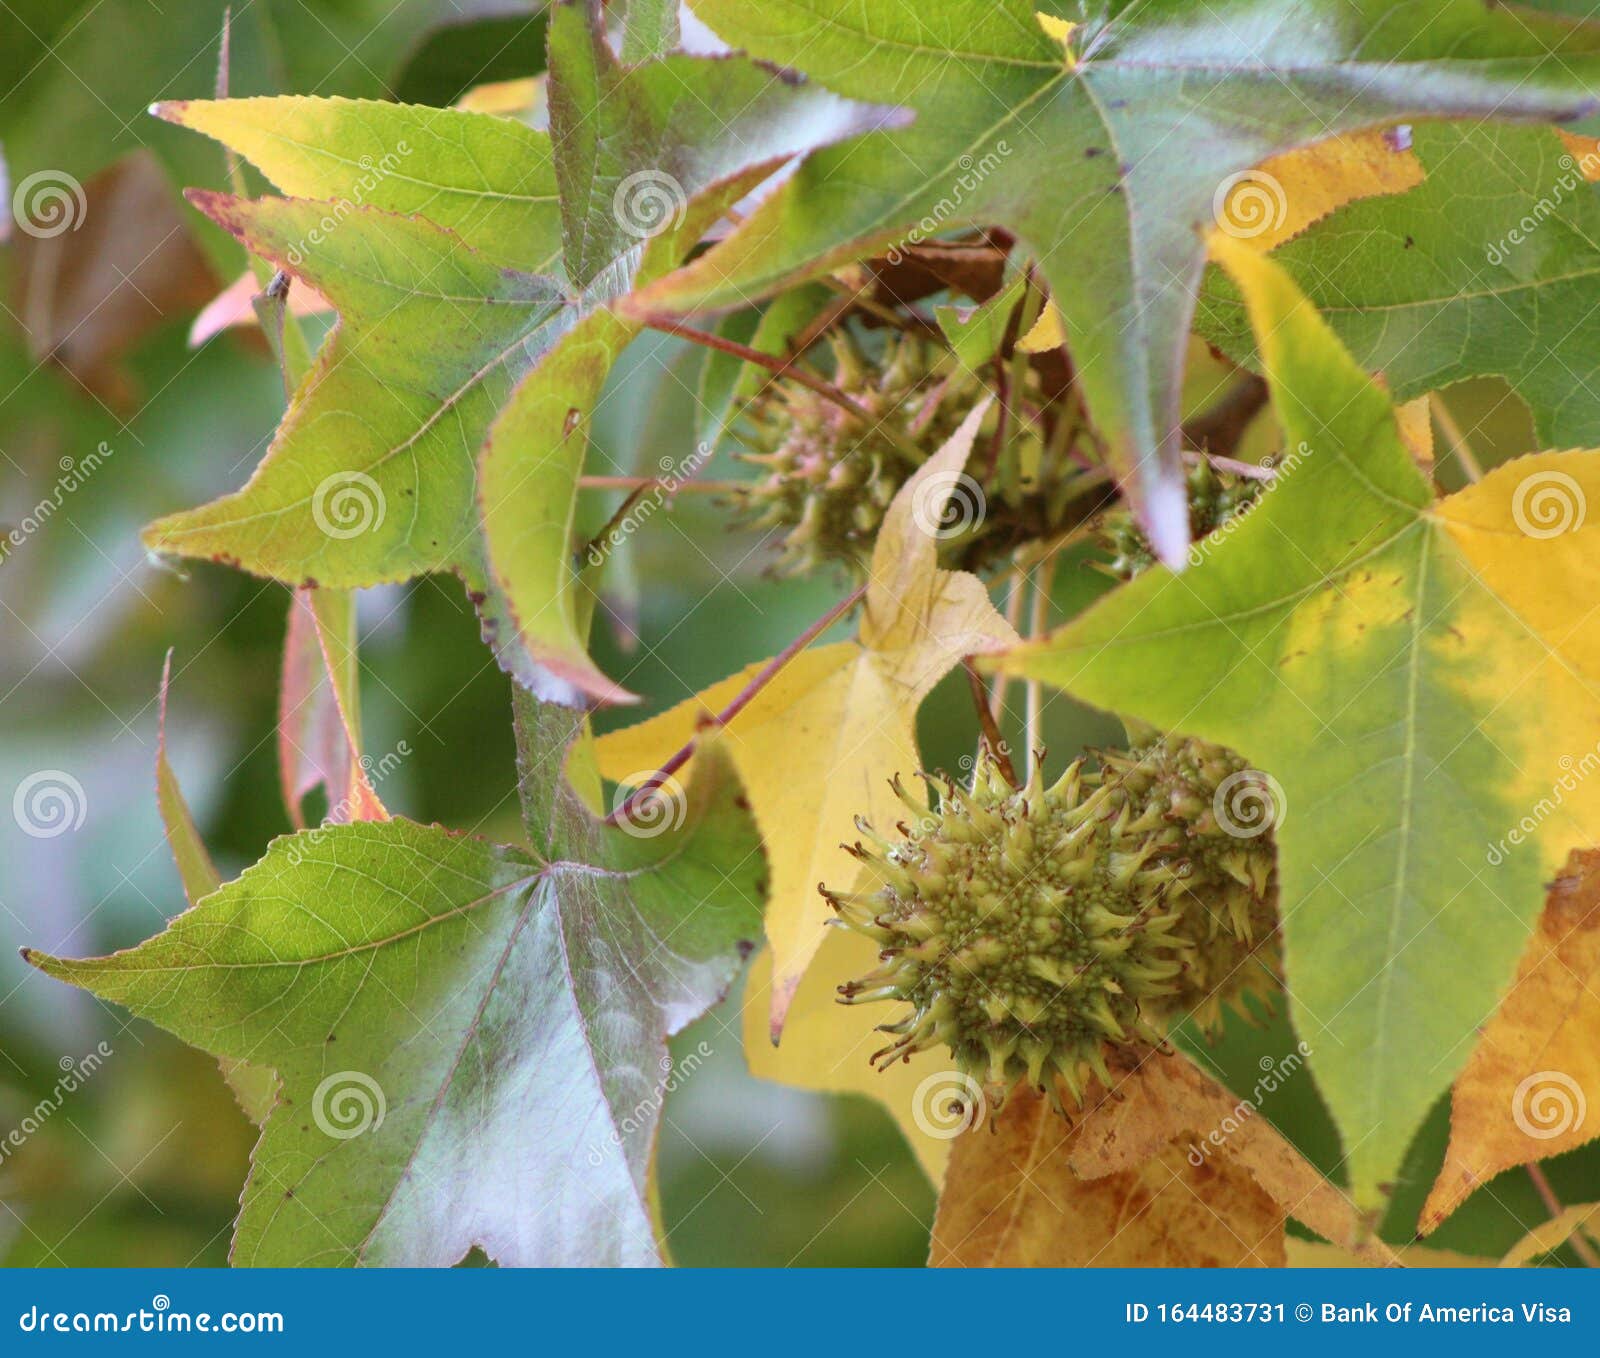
x=818 y=745
x=1553 y=1234
x=1045 y=333
x=1415 y=419
x=827 y=1046
x=1525 y=1093
x=1284 y=195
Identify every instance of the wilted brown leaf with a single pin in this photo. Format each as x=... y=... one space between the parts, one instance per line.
x=1525 y=1091
x=1128 y=1183
x=1012 y=1200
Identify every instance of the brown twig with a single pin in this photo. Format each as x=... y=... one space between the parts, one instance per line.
x=1552 y=1204
x=740 y=701
x=1218 y=429
x=987 y=724
x=790 y=367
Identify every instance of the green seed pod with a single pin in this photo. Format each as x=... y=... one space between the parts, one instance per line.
x=1033 y=931
x=829 y=475
x=1215 y=498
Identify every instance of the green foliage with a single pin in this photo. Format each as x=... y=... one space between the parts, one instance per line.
x=937 y=297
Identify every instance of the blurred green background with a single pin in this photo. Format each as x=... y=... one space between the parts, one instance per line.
x=143 y=1163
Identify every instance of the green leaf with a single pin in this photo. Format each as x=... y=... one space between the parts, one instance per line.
x=648 y=157
x=1415 y=674
x=470 y=1039
x=1107 y=156
x=489 y=180
x=1490 y=266
x=372 y=476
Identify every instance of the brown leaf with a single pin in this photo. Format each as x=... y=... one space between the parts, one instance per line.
x=1525 y=1091
x=117 y=264
x=1169 y=1099
x=1011 y=1200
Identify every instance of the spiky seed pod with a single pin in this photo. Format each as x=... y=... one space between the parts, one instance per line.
x=1186 y=799
x=1020 y=933
x=828 y=475
x=1215 y=498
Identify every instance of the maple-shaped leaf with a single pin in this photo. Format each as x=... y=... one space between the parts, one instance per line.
x=1412 y=673
x=1106 y=149
x=469 y=1038
x=1164 y=1169
x=1489 y=266
x=818 y=745
x=1531 y=1089
x=440 y=242
x=827 y=1047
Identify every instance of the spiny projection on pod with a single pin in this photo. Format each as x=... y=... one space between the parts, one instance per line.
x=1039 y=931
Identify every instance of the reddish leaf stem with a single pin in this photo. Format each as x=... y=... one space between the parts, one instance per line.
x=741 y=700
